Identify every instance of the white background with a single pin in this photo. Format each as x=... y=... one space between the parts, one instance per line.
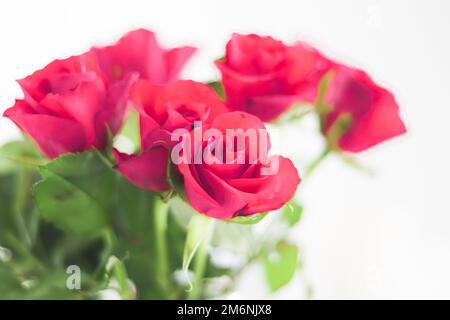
x=386 y=236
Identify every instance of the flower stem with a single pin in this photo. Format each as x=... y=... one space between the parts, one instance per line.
x=160 y=215
x=25 y=252
x=200 y=262
x=23 y=190
x=108 y=238
x=315 y=163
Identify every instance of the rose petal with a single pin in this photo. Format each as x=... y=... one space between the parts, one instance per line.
x=252 y=54
x=175 y=61
x=381 y=124
x=147 y=170
x=57 y=76
x=240 y=87
x=210 y=195
x=269 y=108
x=113 y=107
x=138 y=51
x=270 y=192
x=373 y=110
x=53 y=135
x=83 y=105
x=190 y=93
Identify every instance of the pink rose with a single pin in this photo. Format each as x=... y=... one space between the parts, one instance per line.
x=265 y=77
x=138 y=51
x=225 y=189
x=163 y=109
x=69 y=105
x=371 y=111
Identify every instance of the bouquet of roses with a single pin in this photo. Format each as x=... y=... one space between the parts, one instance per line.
x=129 y=180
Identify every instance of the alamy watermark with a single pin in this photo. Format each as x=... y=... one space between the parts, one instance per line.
x=73 y=281
x=212 y=146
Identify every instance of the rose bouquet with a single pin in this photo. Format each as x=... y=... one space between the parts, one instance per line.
x=130 y=180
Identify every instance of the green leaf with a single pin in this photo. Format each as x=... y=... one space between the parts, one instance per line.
x=75 y=193
x=292 y=212
x=7 y=195
x=218 y=88
x=280 y=266
x=10 y=287
x=126 y=199
x=88 y=171
x=132 y=214
x=69 y=207
x=23 y=148
x=52 y=285
x=18 y=215
x=252 y=219
x=17 y=154
x=19 y=280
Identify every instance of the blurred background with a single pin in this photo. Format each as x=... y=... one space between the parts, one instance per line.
x=384 y=235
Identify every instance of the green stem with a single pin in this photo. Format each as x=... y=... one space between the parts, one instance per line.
x=315 y=163
x=108 y=238
x=160 y=215
x=22 y=250
x=22 y=194
x=200 y=262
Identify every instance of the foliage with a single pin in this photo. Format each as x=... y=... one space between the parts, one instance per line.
x=77 y=210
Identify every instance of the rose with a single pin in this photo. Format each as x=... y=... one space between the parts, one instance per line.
x=138 y=51
x=235 y=188
x=174 y=106
x=69 y=105
x=361 y=114
x=264 y=77
x=239 y=180
x=163 y=109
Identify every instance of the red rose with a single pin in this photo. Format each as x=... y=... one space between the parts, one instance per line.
x=163 y=109
x=174 y=106
x=372 y=112
x=225 y=189
x=264 y=77
x=69 y=105
x=138 y=51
